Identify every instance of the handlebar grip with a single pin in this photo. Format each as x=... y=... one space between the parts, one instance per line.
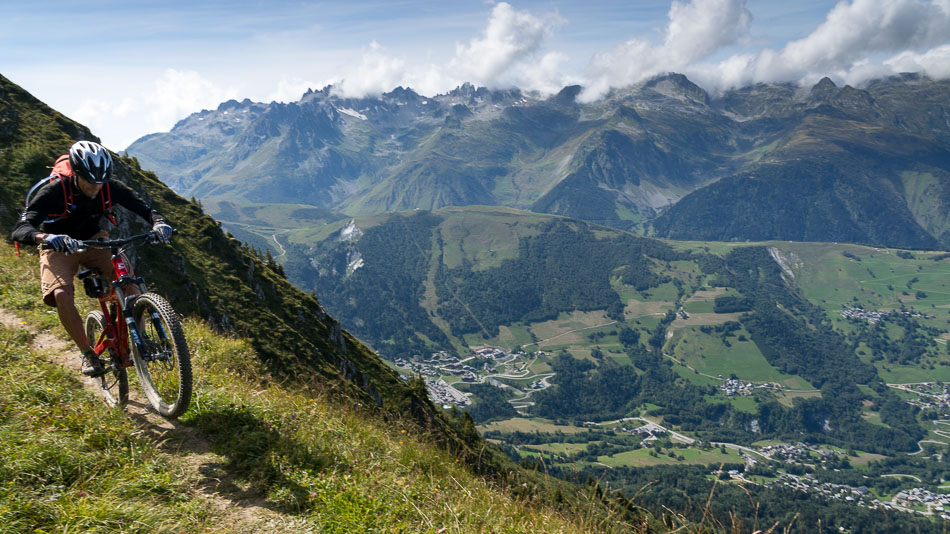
x=81 y=248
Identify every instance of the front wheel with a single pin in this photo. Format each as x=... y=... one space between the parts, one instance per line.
x=161 y=361
x=115 y=383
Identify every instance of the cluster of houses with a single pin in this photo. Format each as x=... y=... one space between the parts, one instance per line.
x=930 y=395
x=796 y=453
x=860 y=314
x=652 y=431
x=733 y=386
x=487 y=351
x=416 y=367
x=439 y=363
x=445 y=395
x=917 y=496
x=785 y=452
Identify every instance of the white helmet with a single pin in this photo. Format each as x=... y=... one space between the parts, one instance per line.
x=91 y=161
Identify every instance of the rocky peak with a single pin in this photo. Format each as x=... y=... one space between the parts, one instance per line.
x=823 y=90
x=677 y=86
x=567 y=96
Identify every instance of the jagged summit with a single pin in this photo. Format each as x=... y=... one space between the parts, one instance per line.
x=622 y=161
x=823 y=90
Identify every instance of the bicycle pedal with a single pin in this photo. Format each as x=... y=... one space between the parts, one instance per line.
x=96 y=373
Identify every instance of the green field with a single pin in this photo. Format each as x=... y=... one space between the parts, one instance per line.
x=642 y=457
x=897 y=374
x=708 y=354
x=534 y=424
x=878 y=281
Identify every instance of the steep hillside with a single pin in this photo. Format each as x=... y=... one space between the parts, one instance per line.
x=289 y=343
x=223 y=283
x=848 y=154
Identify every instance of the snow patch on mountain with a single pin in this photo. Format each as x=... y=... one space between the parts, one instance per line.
x=352 y=113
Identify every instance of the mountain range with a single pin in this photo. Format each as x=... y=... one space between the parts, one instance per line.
x=665 y=158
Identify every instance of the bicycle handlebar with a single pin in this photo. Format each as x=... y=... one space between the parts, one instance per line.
x=118 y=242
x=109 y=244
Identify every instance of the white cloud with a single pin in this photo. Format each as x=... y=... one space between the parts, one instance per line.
x=702 y=27
x=511 y=38
x=376 y=73
x=179 y=93
x=934 y=62
x=105 y=116
x=696 y=30
x=851 y=33
x=508 y=53
x=851 y=45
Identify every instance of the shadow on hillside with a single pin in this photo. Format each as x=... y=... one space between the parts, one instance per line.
x=253 y=451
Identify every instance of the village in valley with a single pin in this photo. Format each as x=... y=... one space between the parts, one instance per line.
x=485 y=365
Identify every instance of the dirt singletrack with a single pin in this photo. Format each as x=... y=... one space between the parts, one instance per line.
x=236 y=509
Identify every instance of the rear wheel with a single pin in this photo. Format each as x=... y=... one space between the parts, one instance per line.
x=115 y=383
x=164 y=366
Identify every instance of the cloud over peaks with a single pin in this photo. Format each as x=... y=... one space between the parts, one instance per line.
x=851 y=35
x=696 y=30
x=510 y=38
x=509 y=52
x=858 y=40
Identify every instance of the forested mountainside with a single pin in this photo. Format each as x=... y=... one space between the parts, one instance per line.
x=464 y=277
x=593 y=350
x=865 y=165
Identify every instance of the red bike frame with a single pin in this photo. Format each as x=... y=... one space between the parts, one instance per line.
x=115 y=333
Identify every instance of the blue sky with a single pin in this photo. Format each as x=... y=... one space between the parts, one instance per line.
x=127 y=69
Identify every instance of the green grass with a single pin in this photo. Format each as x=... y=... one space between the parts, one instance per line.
x=694 y=377
x=897 y=374
x=708 y=354
x=68 y=459
x=831 y=280
x=706 y=306
x=664 y=292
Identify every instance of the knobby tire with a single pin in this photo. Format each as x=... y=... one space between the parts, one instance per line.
x=166 y=380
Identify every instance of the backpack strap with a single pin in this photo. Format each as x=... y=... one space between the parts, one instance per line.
x=106 y=195
x=68 y=204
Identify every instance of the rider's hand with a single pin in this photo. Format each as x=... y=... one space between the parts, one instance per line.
x=63 y=243
x=163 y=232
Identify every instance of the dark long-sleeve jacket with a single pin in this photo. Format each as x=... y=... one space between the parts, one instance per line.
x=84 y=219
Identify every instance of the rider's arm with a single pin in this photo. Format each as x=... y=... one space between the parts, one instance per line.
x=26 y=230
x=125 y=197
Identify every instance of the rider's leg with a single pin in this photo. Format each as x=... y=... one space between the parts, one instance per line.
x=66 y=308
x=56 y=275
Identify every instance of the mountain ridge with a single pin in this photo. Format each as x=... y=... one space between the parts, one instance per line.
x=626 y=160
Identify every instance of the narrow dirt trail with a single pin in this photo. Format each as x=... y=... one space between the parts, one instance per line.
x=237 y=509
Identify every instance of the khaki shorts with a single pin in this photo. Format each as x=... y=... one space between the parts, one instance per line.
x=57 y=269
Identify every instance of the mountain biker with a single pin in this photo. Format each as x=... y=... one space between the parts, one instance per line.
x=81 y=196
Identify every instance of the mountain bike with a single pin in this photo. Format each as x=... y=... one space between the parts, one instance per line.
x=135 y=322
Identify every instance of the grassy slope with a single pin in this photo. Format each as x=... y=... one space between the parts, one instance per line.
x=317 y=462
